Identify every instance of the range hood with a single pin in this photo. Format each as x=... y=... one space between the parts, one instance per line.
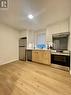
x=58 y=35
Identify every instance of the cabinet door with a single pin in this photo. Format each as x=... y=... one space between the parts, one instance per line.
x=46 y=54
x=40 y=56
x=35 y=56
x=46 y=57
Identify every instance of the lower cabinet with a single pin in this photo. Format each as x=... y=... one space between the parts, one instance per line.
x=41 y=56
x=35 y=56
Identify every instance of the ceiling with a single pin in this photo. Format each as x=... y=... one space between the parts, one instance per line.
x=45 y=12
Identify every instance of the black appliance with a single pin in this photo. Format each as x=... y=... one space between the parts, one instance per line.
x=28 y=55
x=63 y=60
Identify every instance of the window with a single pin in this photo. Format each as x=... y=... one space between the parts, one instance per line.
x=41 y=40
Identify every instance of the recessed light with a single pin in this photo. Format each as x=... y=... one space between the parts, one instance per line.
x=30 y=16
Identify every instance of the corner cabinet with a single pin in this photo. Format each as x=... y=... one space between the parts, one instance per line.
x=41 y=56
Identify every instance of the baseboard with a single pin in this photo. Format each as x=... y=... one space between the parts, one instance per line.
x=9 y=62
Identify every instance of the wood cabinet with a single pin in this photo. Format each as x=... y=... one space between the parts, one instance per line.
x=41 y=56
x=35 y=56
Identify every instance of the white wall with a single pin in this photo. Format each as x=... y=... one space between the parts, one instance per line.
x=8 y=44
x=59 y=27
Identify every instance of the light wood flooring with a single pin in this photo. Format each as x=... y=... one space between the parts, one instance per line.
x=28 y=78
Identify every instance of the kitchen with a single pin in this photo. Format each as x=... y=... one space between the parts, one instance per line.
x=43 y=40
x=35 y=47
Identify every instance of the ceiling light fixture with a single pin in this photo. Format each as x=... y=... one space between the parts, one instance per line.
x=30 y=16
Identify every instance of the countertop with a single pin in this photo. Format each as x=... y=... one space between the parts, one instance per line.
x=52 y=51
x=38 y=49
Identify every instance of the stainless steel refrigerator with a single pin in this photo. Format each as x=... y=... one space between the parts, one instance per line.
x=22 y=48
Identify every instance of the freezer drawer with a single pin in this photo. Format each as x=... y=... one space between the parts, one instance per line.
x=22 y=55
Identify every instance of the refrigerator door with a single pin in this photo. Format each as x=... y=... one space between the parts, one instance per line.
x=22 y=53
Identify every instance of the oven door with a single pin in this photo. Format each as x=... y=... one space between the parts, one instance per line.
x=60 y=60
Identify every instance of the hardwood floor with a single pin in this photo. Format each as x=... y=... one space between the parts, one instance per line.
x=27 y=78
